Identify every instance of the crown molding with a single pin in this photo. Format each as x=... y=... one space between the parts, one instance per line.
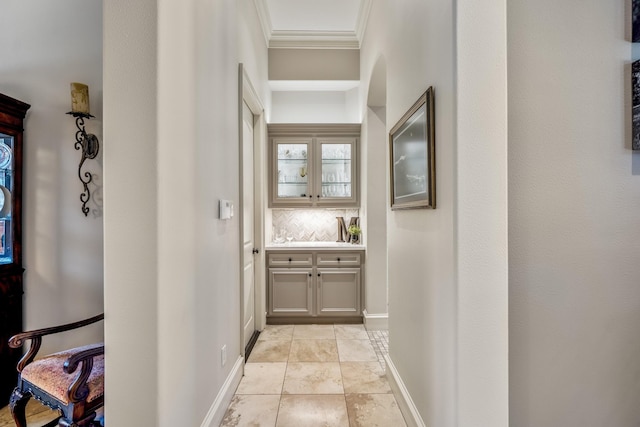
x=363 y=18
x=314 y=129
x=314 y=39
x=265 y=19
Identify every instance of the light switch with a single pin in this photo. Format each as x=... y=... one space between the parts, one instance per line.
x=226 y=209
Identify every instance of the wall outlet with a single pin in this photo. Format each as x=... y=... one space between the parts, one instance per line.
x=223 y=355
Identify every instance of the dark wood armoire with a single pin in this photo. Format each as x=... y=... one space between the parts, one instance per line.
x=12 y=114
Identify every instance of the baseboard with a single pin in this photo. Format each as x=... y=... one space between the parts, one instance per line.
x=405 y=403
x=223 y=399
x=376 y=322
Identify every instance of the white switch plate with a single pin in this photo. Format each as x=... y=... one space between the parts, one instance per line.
x=225 y=209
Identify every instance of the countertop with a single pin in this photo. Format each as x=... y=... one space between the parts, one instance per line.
x=288 y=246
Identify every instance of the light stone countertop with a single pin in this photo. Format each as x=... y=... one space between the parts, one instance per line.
x=296 y=246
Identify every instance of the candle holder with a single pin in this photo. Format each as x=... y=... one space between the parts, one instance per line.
x=89 y=145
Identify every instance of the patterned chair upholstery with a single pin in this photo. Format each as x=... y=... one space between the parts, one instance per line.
x=71 y=381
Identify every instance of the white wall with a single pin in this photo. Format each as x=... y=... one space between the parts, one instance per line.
x=314 y=107
x=574 y=200
x=45 y=46
x=131 y=213
x=174 y=286
x=252 y=50
x=416 y=40
x=447 y=267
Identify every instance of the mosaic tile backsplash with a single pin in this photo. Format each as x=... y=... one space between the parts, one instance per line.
x=310 y=225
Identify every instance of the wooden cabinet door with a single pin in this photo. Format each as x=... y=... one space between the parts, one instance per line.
x=338 y=292
x=290 y=292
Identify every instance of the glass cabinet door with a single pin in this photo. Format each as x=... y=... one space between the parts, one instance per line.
x=292 y=169
x=6 y=188
x=336 y=169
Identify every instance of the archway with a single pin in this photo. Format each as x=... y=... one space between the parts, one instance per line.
x=375 y=193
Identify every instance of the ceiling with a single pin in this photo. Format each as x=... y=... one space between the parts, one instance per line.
x=329 y=24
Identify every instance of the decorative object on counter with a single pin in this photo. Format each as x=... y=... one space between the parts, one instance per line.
x=413 y=161
x=343 y=231
x=86 y=142
x=635 y=110
x=354 y=234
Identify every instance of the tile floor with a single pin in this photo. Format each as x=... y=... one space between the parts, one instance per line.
x=302 y=376
x=315 y=376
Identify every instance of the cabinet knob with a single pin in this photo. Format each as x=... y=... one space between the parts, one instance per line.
x=318 y=274
x=318 y=196
x=338 y=259
x=309 y=274
x=310 y=196
x=289 y=259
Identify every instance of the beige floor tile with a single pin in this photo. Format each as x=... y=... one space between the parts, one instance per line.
x=351 y=332
x=270 y=351
x=313 y=378
x=313 y=332
x=364 y=377
x=252 y=411
x=373 y=410
x=276 y=332
x=313 y=411
x=356 y=351
x=313 y=351
x=262 y=378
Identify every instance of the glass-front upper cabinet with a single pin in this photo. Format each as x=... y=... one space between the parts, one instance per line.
x=292 y=165
x=336 y=179
x=6 y=190
x=313 y=165
x=12 y=114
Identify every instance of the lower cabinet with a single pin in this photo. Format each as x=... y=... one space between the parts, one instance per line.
x=338 y=292
x=291 y=291
x=299 y=288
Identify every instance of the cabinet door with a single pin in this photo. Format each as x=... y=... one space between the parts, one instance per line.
x=336 y=172
x=290 y=292
x=338 y=291
x=291 y=172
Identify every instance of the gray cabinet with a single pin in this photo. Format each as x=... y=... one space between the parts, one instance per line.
x=338 y=292
x=313 y=166
x=291 y=291
x=314 y=285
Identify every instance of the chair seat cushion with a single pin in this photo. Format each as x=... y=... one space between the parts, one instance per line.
x=48 y=374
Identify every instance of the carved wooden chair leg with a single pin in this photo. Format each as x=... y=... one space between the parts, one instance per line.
x=17 y=405
x=87 y=421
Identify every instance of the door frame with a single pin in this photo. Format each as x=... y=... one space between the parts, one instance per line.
x=247 y=94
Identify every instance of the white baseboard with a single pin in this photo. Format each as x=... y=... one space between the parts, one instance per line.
x=223 y=399
x=376 y=322
x=405 y=403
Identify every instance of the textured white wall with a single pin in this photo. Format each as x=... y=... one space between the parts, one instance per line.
x=44 y=47
x=574 y=200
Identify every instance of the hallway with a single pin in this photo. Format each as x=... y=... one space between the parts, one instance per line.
x=315 y=375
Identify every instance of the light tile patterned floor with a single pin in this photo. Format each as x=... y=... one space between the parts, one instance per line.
x=315 y=375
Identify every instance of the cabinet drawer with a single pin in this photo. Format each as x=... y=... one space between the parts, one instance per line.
x=338 y=259
x=296 y=259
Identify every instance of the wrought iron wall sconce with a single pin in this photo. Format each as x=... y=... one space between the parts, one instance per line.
x=86 y=142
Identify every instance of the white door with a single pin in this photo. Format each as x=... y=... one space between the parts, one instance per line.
x=247 y=226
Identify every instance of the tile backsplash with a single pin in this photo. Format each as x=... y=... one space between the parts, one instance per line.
x=311 y=225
